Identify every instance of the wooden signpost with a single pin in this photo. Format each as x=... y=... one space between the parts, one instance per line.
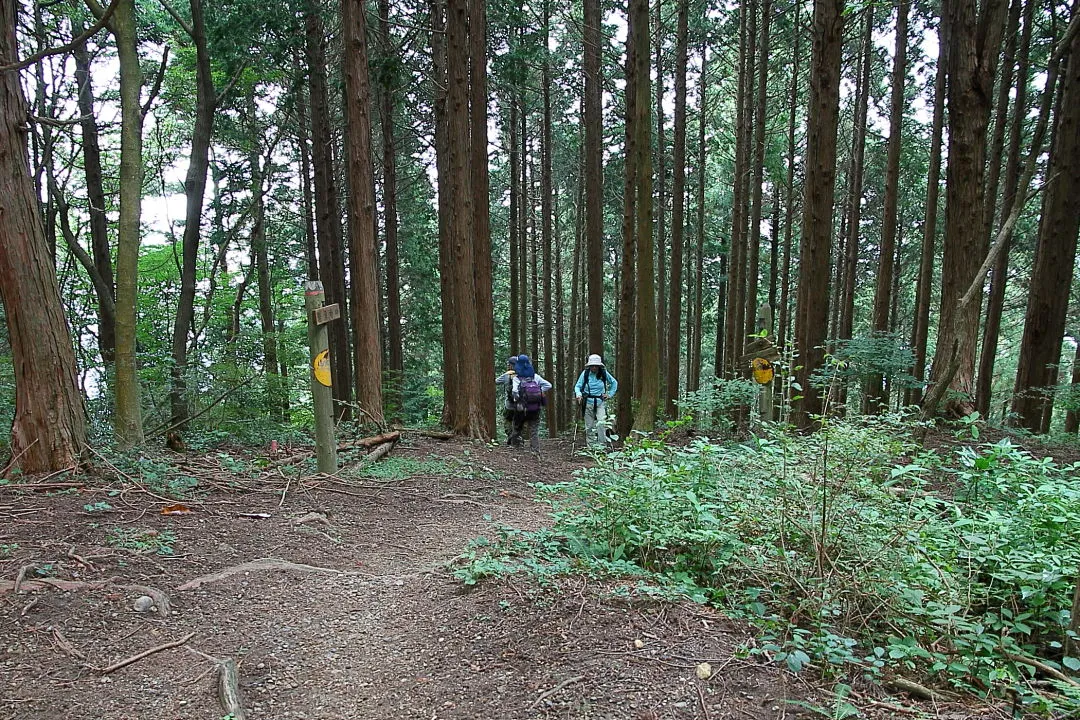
x=318 y=346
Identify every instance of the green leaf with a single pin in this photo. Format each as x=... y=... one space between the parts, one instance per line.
x=1071 y=663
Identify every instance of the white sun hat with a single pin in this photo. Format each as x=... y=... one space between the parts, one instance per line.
x=594 y=359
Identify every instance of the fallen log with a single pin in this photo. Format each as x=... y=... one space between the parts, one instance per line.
x=379 y=453
x=368 y=442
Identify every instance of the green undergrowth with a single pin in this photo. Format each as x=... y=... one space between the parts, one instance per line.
x=852 y=551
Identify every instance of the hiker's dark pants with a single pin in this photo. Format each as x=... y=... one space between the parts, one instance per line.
x=527 y=424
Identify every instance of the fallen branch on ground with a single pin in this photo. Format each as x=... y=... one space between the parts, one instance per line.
x=260 y=564
x=367 y=442
x=920 y=691
x=1041 y=667
x=66 y=645
x=147 y=653
x=548 y=693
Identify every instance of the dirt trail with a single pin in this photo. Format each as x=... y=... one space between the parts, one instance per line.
x=388 y=634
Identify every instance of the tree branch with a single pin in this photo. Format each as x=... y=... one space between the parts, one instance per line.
x=179 y=20
x=103 y=19
x=156 y=88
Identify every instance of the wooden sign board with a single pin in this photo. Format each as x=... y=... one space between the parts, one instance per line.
x=326 y=313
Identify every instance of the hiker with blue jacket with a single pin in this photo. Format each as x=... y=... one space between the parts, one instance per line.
x=527 y=394
x=508 y=406
x=594 y=387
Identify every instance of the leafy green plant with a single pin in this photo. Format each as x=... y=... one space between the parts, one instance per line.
x=98 y=507
x=835 y=547
x=141 y=541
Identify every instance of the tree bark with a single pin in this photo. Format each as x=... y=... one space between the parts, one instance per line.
x=469 y=416
x=484 y=365
x=757 y=176
x=49 y=429
x=678 y=204
x=661 y=207
x=328 y=211
x=363 y=259
x=625 y=359
x=194 y=191
x=389 y=85
x=999 y=276
x=275 y=390
x=515 y=231
x=812 y=308
x=855 y=187
x=594 y=175
x=547 y=218
x=446 y=257
x=973 y=43
x=128 y=418
x=1048 y=304
x=649 y=358
x=95 y=198
x=1072 y=417
x=924 y=285
x=883 y=292
x=789 y=204
x=736 y=256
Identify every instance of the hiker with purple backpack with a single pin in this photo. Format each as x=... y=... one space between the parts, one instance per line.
x=527 y=395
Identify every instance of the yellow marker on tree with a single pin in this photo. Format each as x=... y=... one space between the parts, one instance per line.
x=763 y=371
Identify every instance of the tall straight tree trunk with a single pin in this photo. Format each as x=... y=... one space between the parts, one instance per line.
x=514 y=226
x=1048 y=303
x=310 y=254
x=390 y=218
x=535 y=239
x=757 y=174
x=363 y=257
x=699 y=269
x=194 y=190
x=576 y=281
x=661 y=206
x=678 y=200
x=525 y=226
x=594 y=174
x=95 y=198
x=999 y=275
x=813 y=297
x=328 y=210
x=924 y=285
x=972 y=46
x=468 y=415
x=876 y=400
x=513 y=221
x=736 y=259
x=127 y=422
x=562 y=345
x=49 y=429
x=274 y=388
x=446 y=250
x=547 y=218
x=649 y=359
x=625 y=358
x=789 y=200
x=484 y=365
x=855 y=188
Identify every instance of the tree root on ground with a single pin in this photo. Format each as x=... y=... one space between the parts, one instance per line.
x=260 y=564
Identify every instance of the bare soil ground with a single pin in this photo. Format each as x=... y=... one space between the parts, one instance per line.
x=374 y=626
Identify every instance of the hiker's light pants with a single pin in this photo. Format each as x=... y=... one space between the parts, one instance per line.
x=595 y=421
